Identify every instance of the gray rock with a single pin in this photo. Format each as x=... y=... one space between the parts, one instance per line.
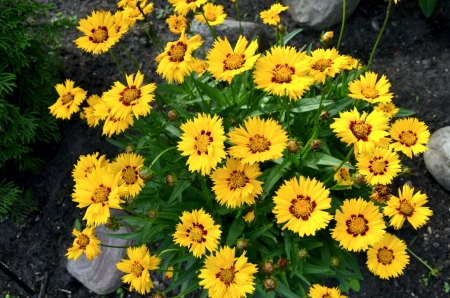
x=319 y=15
x=437 y=158
x=101 y=275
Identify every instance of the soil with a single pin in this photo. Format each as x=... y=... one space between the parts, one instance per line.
x=414 y=54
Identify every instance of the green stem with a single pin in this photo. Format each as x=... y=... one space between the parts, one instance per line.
x=340 y=166
x=342 y=26
x=381 y=33
x=131 y=57
x=133 y=212
x=247 y=99
x=113 y=246
x=287 y=106
x=420 y=260
x=170 y=148
x=169 y=250
x=117 y=63
x=205 y=103
x=239 y=16
x=209 y=26
x=150 y=26
x=150 y=37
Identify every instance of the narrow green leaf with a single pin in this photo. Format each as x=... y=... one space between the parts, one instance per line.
x=173 y=130
x=187 y=275
x=178 y=190
x=427 y=7
x=258 y=232
x=290 y=35
x=314 y=269
x=283 y=290
x=116 y=143
x=404 y=113
x=354 y=284
x=211 y=92
x=320 y=158
x=235 y=230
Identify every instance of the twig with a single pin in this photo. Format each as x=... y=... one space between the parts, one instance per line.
x=15 y=278
x=65 y=291
x=44 y=282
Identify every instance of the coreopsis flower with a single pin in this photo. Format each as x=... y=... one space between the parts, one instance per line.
x=183 y=7
x=177 y=23
x=99 y=191
x=116 y=126
x=69 y=100
x=352 y=63
x=88 y=162
x=224 y=62
x=381 y=193
x=127 y=166
x=327 y=37
x=389 y=109
x=364 y=131
x=100 y=32
x=134 y=14
x=121 y=22
x=214 y=14
x=225 y=275
x=272 y=15
x=411 y=136
x=199 y=66
x=326 y=63
x=125 y=3
x=169 y=273
x=250 y=216
x=176 y=61
x=123 y=101
x=137 y=267
x=318 y=291
x=369 y=89
x=203 y=141
x=301 y=203
x=198 y=232
x=343 y=177
x=408 y=205
x=283 y=71
x=388 y=257
x=92 y=100
x=86 y=242
x=358 y=225
x=259 y=141
x=380 y=166
x=236 y=184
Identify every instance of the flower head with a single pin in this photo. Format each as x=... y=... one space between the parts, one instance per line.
x=198 y=232
x=343 y=177
x=169 y=273
x=388 y=257
x=86 y=242
x=127 y=166
x=92 y=100
x=283 y=71
x=358 y=225
x=227 y=276
x=236 y=184
x=199 y=66
x=318 y=291
x=125 y=3
x=326 y=63
x=100 y=32
x=250 y=216
x=203 y=141
x=224 y=62
x=389 y=109
x=214 y=14
x=381 y=193
x=183 y=7
x=411 y=136
x=177 y=23
x=134 y=13
x=352 y=63
x=69 y=100
x=86 y=163
x=272 y=15
x=408 y=205
x=381 y=166
x=367 y=88
x=137 y=266
x=301 y=203
x=116 y=126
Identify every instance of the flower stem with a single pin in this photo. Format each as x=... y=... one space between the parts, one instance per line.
x=205 y=103
x=117 y=63
x=209 y=26
x=131 y=57
x=157 y=157
x=342 y=25
x=287 y=107
x=239 y=16
x=433 y=271
x=151 y=38
x=381 y=33
x=340 y=166
x=150 y=26
x=113 y=246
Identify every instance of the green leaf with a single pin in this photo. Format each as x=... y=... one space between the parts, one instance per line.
x=290 y=35
x=313 y=269
x=235 y=231
x=309 y=104
x=283 y=290
x=354 y=284
x=320 y=158
x=187 y=275
x=275 y=174
x=211 y=92
x=178 y=190
x=427 y=7
x=404 y=113
x=258 y=232
x=77 y=224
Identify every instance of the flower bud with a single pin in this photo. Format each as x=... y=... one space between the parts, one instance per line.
x=250 y=216
x=281 y=28
x=242 y=244
x=407 y=171
x=172 y=115
x=158 y=295
x=328 y=37
x=325 y=115
x=129 y=149
x=171 y=179
x=269 y=284
x=233 y=121
x=130 y=200
x=82 y=116
x=335 y=262
x=268 y=267
x=316 y=144
x=152 y=214
x=303 y=254
x=293 y=146
x=112 y=224
x=146 y=174
x=359 y=179
x=282 y=263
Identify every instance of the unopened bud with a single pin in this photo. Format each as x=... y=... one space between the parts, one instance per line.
x=172 y=115
x=335 y=262
x=269 y=284
x=293 y=146
x=282 y=263
x=130 y=200
x=159 y=295
x=328 y=37
x=303 y=254
x=268 y=267
x=233 y=121
x=325 y=115
x=146 y=174
x=112 y=224
x=281 y=28
x=82 y=116
x=242 y=244
x=129 y=149
x=359 y=179
x=316 y=144
x=152 y=214
x=407 y=171
x=171 y=179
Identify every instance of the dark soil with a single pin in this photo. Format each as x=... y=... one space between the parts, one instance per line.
x=414 y=54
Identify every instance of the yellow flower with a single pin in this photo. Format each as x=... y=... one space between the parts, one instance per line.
x=236 y=183
x=272 y=15
x=134 y=14
x=121 y=22
x=177 y=23
x=100 y=32
x=183 y=7
x=138 y=266
x=381 y=193
x=301 y=204
x=132 y=100
x=86 y=163
x=388 y=257
x=228 y=276
x=326 y=63
x=115 y=126
x=327 y=37
x=389 y=109
x=169 y=273
x=224 y=62
x=395 y=1
x=364 y=131
x=69 y=100
x=198 y=232
x=199 y=66
x=125 y=3
x=358 y=225
x=367 y=88
x=250 y=216
x=411 y=135
x=261 y=140
x=343 y=177
x=318 y=291
x=99 y=191
x=352 y=63
x=283 y=71
x=203 y=141
x=381 y=166
x=176 y=61
x=214 y=14
x=92 y=100
x=127 y=166
x=84 y=242
x=408 y=206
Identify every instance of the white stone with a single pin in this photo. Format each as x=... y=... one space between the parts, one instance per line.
x=319 y=15
x=101 y=275
x=437 y=158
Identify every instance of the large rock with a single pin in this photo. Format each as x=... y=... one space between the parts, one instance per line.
x=101 y=275
x=319 y=15
x=437 y=158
